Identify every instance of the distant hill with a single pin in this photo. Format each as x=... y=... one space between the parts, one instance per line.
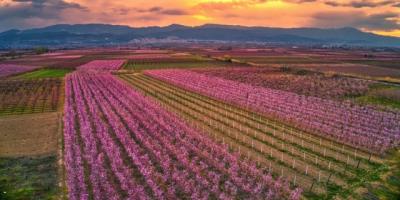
x=103 y=34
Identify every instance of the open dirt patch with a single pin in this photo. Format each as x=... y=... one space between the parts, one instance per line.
x=29 y=135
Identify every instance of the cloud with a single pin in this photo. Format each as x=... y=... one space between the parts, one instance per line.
x=53 y=4
x=351 y=3
x=148 y=10
x=223 y=5
x=373 y=22
x=162 y=11
x=361 y=3
x=369 y=14
x=385 y=21
x=31 y=13
x=174 y=12
x=138 y=15
x=301 y=1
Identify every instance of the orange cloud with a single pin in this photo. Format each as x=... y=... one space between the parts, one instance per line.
x=379 y=16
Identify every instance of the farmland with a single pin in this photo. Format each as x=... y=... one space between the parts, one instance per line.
x=29 y=96
x=15 y=140
x=148 y=62
x=288 y=107
x=26 y=178
x=29 y=156
x=9 y=69
x=298 y=81
x=358 y=63
x=44 y=73
x=198 y=124
x=281 y=59
x=30 y=135
x=314 y=163
x=112 y=128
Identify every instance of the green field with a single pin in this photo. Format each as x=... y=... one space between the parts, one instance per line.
x=45 y=73
x=374 y=100
x=381 y=95
x=27 y=178
x=393 y=64
x=388 y=186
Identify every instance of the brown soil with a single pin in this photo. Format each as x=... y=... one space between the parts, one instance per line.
x=29 y=135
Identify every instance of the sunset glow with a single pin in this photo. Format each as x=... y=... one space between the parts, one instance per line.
x=379 y=16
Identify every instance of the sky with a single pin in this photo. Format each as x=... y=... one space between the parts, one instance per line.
x=378 y=16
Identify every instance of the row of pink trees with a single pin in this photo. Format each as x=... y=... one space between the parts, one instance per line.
x=120 y=144
x=363 y=127
x=310 y=84
x=102 y=65
x=11 y=69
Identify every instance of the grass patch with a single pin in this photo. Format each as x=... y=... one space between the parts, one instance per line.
x=381 y=95
x=45 y=73
x=28 y=178
x=20 y=110
x=380 y=101
x=393 y=64
x=388 y=186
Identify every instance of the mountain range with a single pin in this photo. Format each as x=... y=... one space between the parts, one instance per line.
x=66 y=35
